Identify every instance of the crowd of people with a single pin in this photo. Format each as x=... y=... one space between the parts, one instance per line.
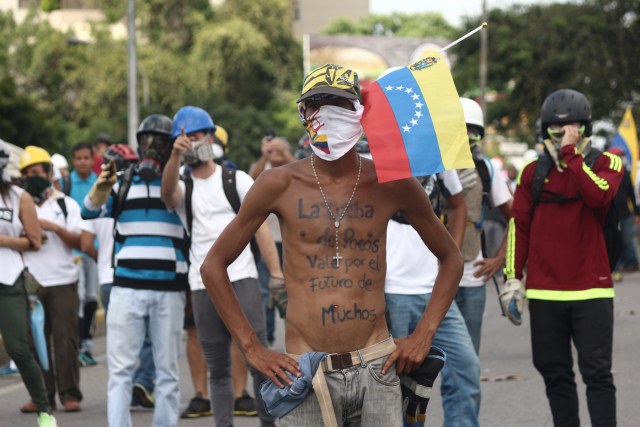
x=172 y=237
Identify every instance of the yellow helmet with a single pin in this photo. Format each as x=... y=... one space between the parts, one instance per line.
x=221 y=136
x=33 y=155
x=331 y=79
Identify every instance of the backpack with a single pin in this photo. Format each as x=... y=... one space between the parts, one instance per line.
x=435 y=189
x=611 y=225
x=65 y=183
x=486 y=176
x=63 y=207
x=230 y=192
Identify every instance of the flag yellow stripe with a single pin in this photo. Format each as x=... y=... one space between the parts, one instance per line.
x=443 y=102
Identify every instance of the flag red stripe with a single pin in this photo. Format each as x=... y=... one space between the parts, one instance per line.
x=384 y=136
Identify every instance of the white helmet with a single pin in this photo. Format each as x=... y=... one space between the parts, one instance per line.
x=472 y=113
x=59 y=161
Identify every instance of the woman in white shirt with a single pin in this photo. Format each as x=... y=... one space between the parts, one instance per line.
x=19 y=232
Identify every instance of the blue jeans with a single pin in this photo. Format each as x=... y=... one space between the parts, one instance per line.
x=461 y=374
x=360 y=395
x=471 y=301
x=146 y=373
x=126 y=326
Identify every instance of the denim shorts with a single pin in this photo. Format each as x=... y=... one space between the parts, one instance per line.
x=361 y=396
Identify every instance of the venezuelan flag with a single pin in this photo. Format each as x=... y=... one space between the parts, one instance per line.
x=414 y=122
x=627 y=139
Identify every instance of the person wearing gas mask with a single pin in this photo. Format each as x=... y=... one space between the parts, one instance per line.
x=150 y=274
x=203 y=198
x=559 y=207
x=53 y=267
x=333 y=215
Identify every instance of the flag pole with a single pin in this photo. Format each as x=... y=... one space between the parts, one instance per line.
x=469 y=34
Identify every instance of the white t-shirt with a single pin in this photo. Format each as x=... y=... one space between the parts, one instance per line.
x=53 y=264
x=10 y=225
x=211 y=214
x=102 y=228
x=411 y=267
x=500 y=195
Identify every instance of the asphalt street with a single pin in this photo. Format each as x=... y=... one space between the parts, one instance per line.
x=512 y=391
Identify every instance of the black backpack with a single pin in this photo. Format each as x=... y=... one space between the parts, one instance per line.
x=435 y=189
x=611 y=225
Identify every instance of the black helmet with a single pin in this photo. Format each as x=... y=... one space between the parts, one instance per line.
x=362 y=146
x=155 y=123
x=565 y=106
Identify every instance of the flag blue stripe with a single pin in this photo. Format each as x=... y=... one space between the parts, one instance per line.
x=420 y=139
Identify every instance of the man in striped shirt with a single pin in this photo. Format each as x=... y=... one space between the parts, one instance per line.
x=150 y=275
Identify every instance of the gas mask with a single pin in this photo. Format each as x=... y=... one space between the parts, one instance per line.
x=334 y=130
x=201 y=151
x=38 y=187
x=553 y=145
x=155 y=149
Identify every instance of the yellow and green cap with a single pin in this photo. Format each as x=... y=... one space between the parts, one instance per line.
x=331 y=79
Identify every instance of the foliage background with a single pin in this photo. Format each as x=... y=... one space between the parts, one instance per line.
x=240 y=62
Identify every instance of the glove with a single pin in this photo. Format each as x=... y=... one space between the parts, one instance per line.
x=512 y=300
x=278 y=298
x=100 y=191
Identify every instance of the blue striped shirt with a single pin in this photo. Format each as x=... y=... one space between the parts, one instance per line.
x=150 y=241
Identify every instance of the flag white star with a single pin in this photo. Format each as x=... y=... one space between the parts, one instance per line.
x=414 y=122
x=406 y=128
x=400 y=87
x=415 y=96
x=388 y=88
x=418 y=114
x=419 y=104
x=408 y=90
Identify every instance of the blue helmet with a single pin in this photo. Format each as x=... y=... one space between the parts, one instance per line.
x=192 y=119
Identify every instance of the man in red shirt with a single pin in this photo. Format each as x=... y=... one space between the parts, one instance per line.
x=558 y=233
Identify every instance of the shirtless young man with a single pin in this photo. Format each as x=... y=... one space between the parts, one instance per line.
x=335 y=263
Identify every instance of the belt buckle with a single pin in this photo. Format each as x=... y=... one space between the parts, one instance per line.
x=339 y=361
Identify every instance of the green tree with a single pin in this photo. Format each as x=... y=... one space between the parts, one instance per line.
x=397 y=24
x=593 y=47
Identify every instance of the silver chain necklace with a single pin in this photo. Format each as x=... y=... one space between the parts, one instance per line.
x=336 y=221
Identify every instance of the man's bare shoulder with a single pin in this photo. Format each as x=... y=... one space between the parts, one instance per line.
x=279 y=179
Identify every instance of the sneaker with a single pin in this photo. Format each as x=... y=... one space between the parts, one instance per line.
x=46 y=420
x=71 y=406
x=245 y=406
x=8 y=369
x=143 y=396
x=198 y=407
x=86 y=359
x=617 y=276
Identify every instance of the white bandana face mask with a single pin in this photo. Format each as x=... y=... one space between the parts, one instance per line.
x=334 y=130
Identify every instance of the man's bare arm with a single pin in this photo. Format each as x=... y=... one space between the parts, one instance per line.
x=268 y=250
x=490 y=266
x=412 y=350
x=235 y=237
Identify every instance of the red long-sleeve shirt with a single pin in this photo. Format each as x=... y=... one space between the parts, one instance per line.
x=563 y=244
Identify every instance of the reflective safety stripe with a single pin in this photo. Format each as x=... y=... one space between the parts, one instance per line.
x=615 y=162
x=510 y=262
x=548 y=295
x=600 y=182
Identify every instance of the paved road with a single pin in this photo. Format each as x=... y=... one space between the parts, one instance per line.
x=505 y=353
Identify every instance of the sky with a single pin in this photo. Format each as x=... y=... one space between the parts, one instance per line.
x=453 y=10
